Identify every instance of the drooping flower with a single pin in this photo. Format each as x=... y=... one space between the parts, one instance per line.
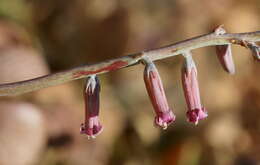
x=164 y=115
x=224 y=53
x=190 y=85
x=91 y=127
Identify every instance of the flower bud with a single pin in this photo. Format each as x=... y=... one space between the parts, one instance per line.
x=91 y=127
x=191 y=90
x=225 y=57
x=255 y=50
x=224 y=53
x=153 y=83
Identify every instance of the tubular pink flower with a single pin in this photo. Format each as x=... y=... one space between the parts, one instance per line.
x=164 y=115
x=191 y=90
x=91 y=127
x=224 y=53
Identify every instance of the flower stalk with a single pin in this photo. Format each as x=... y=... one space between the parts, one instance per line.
x=211 y=39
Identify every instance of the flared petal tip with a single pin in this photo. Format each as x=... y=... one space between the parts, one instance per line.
x=163 y=120
x=196 y=114
x=202 y=113
x=91 y=132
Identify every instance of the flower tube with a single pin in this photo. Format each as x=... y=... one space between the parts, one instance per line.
x=191 y=90
x=91 y=127
x=164 y=115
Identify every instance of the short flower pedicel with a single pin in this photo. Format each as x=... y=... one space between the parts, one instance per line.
x=191 y=90
x=153 y=83
x=91 y=127
x=224 y=53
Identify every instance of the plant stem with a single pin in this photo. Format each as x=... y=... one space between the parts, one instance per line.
x=210 y=39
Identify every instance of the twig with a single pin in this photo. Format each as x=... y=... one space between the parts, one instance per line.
x=210 y=39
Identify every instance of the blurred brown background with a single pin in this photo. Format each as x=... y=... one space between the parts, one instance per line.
x=42 y=128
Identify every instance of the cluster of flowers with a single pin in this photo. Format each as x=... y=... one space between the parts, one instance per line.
x=164 y=115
